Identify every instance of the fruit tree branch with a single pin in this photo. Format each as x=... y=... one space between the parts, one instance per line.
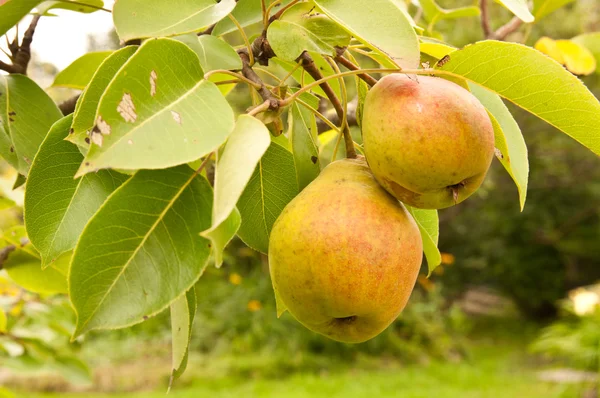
x=4 y=252
x=370 y=80
x=251 y=75
x=309 y=66
x=505 y=30
x=21 y=54
x=485 y=19
x=67 y=107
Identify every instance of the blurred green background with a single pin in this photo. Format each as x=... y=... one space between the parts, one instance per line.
x=499 y=318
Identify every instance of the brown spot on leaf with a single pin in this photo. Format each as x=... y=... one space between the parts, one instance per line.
x=126 y=108
x=498 y=153
x=176 y=117
x=12 y=148
x=314 y=159
x=102 y=126
x=145 y=317
x=153 y=77
x=71 y=131
x=87 y=140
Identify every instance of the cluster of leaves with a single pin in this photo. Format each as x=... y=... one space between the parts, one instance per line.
x=126 y=187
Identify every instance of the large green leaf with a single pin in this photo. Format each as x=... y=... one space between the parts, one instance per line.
x=142 y=249
x=213 y=52
x=534 y=82
x=433 y=12
x=183 y=311
x=26 y=270
x=591 y=41
x=83 y=6
x=85 y=111
x=272 y=186
x=246 y=12
x=80 y=72
x=542 y=8
x=428 y=223
x=380 y=24
x=519 y=8
x=26 y=115
x=303 y=136
x=13 y=11
x=300 y=30
x=57 y=206
x=158 y=18
x=158 y=112
x=511 y=150
x=246 y=145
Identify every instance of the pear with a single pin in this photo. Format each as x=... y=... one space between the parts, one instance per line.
x=344 y=255
x=428 y=141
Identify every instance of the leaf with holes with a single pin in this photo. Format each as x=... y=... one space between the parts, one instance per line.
x=428 y=223
x=183 y=311
x=138 y=19
x=301 y=30
x=534 y=82
x=158 y=112
x=213 y=52
x=80 y=72
x=142 y=249
x=303 y=136
x=272 y=186
x=57 y=206
x=380 y=24
x=13 y=11
x=85 y=112
x=519 y=8
x=244 y=149
x=26 y=115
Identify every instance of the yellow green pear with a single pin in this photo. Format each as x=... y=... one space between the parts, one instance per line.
x=344 y=255
x=428 y=141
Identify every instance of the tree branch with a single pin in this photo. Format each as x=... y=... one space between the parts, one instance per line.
x=249 y=74
x=485 y=19
x=67 y=107
x=4 y=252
x=309 y=66
x=21 y=54
x=505 y=30
x=370 y=80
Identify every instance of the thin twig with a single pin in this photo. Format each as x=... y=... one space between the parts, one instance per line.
x=260 y=108
x=485 y=19
x=279 y=13
x=309 y=65
x=4 y=252
x=505 y=30
x=244 y=37
x=237 y=75
x=21 y=53
x=249 y=74
x=370 y=80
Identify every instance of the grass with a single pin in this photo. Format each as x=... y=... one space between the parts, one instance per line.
x=493 y=370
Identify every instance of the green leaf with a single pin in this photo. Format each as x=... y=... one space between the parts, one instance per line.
x=300 y=30
x=362 y=90
x=511 y=150
x=380 y=24
x=244 y=149
x=519 y=8
x=247 y=12
x=541 y=8
x=142 y=249
x=534 y=82
x=428 y=223
x=213 y=52
x=272 y=186
x=591 y=41
x=26 y=271
x=303 y=136
x=222 y=234
x=136 y=19
x=19 y=181
x=13 y=11
x=80 y=6
x=433 y=12
x=85 y=111
x=6 y=203
x=158 y=112
x=183 y=311
x=435 y=48
x=57 y=206
x=80 y=72
x=3 y=321
x=26 y=115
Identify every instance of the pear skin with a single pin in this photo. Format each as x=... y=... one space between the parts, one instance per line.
x=344 y=255
x=428 y=141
